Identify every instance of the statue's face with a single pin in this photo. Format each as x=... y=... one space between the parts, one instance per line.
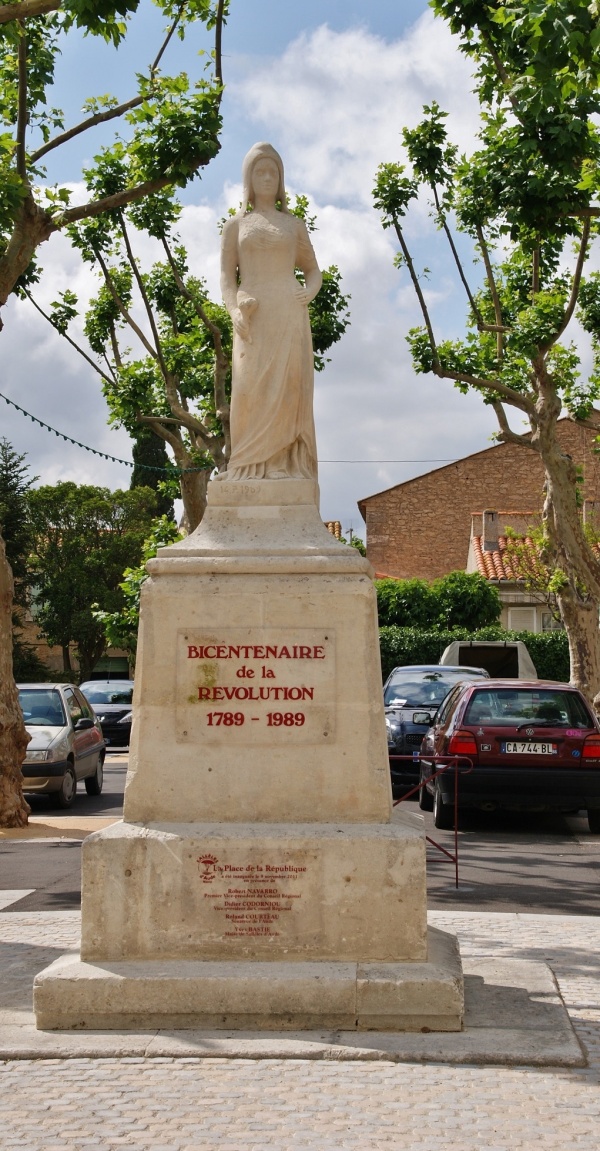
x=265 y=178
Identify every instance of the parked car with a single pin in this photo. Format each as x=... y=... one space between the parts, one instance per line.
x=535 y=746
x=421 y=686
x=66 y=741
x=111 y=699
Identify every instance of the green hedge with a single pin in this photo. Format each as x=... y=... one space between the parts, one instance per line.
x=406 y=645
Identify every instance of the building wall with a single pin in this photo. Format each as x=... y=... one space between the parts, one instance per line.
x=422 y=528
x=114 y=663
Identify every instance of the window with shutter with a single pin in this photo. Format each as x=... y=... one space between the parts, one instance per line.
x=522 y=619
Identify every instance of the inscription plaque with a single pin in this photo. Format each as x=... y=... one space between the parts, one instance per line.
x=240 y=686
x=249 y=899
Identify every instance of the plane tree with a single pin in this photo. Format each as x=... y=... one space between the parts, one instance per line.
x=524 y=203
x=168 y=129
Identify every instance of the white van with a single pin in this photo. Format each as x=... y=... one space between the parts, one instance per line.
x=503 y=659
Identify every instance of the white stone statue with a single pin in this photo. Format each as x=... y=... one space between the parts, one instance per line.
x=272 y=424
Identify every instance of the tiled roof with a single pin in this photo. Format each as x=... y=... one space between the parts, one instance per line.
x=334 y=527
x=496 y=565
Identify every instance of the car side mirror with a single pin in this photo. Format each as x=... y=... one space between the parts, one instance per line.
x=84 y=723
x=421 y=717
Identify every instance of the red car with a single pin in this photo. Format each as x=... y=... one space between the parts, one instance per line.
x=534 y=746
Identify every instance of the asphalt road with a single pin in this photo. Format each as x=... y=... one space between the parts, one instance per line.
x=544 y=864
x=51 y=868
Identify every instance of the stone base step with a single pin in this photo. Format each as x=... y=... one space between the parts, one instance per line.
x=234 y=995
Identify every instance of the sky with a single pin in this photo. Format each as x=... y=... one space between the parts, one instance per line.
x=331 y=84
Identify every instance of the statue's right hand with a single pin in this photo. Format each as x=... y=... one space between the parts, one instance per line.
x=241 y=324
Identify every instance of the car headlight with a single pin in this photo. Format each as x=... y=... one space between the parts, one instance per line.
x=36 y=757
x=126 y=718
x=49 y=755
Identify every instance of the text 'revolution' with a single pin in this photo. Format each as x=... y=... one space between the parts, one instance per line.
x=235 y=686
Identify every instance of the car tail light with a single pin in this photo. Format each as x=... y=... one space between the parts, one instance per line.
x=591 y=747
x=463 y=743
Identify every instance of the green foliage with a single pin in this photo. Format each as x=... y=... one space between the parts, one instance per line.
x=165 y=132
x=121 y=627
x=412 y=645
x=405 y=603
x=83 y=539
x=329 y=316
x=393 y=192
x=466 y=599
x=521 y=195
x=357 y=543
x=15 y=485
x=27 y=665
x=149 y=452
x=459 y=599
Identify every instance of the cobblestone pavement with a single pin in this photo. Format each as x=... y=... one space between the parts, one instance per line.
x=190 y=1104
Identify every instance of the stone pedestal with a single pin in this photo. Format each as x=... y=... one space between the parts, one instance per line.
x=258 y=878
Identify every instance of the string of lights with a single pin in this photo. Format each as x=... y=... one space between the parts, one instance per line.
x=183 y=471
x=103 y=455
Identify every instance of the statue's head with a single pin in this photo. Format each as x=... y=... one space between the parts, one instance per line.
x=261 y=152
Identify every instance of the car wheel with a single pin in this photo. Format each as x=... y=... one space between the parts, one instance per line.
x=594 y=820
x=425 y=800
x=93 y=784
x=443 y=814
x=68 y=788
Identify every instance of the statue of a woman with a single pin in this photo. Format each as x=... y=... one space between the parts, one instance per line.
x=272 y=425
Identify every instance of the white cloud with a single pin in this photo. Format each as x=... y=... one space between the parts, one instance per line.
x=336 y=102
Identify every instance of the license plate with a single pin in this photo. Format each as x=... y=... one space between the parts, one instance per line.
x=529 y=748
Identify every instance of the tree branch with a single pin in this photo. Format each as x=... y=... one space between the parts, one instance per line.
x=27 y=8
x=535 y=272
x=22 y=105
x=515 y=399
x=121 y=306
x=115 y=345
x=166 y=41
x=110 y=113
x=119 y=199
x=585 y=236
x=67 y=337
x=218 y=42
x=97 y=118
x=156 y=423
x=221 y=361
x=144 y=295
x=502 y=73
x=456 y=256
x=419 y=293
x=491 y=279
x=506 y=432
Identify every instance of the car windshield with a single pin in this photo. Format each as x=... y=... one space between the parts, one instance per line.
x=111 y=694
x=42 y=707
x=421 y=689
x=539 y=706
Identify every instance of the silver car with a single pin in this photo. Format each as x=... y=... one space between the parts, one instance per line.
x=66 y=741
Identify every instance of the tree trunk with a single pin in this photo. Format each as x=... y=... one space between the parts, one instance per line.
x=13 y=736
x=581 y=624
x=571 y=553
x=31 y=227
x=88 y=657
x=66 y=657
x=193 y=493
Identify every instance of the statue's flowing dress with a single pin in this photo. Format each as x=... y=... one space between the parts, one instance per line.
x=272 y=425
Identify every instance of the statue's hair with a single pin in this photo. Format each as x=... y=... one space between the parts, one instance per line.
x=257 y=152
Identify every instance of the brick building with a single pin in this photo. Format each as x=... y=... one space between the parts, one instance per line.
x=423 y=527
